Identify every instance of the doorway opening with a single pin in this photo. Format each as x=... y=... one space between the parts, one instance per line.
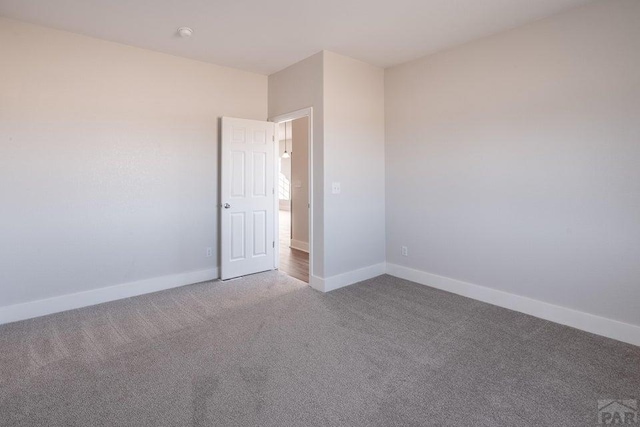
x=293 y=184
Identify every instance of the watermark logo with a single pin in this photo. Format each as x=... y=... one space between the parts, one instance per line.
x=617 y=412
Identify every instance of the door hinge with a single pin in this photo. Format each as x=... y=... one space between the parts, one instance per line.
x=273 y=244
x=273 y=138
x=273 y=190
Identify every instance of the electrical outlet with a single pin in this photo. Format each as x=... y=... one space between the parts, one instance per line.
x=335 y=188
x=405 y=251
x=209 y=252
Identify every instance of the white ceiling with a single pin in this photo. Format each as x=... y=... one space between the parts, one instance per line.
x=266 y=36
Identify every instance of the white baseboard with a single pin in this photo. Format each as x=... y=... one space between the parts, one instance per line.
x=345 y=279
x=566 y=316
x=316 y=283
x=580 y=320
x=299 y=245
x=28 y=310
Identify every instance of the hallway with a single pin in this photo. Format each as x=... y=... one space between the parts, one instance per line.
x=293 y=262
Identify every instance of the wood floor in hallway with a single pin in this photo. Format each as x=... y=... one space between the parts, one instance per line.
x=293 y=262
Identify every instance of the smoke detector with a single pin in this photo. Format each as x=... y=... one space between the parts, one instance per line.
x=185 y=32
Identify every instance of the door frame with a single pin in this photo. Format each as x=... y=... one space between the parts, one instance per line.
x=298 y=114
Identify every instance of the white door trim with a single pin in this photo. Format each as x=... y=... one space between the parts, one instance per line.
x=298 y=114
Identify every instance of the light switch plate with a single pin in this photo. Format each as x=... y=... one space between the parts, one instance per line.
x=335 y=188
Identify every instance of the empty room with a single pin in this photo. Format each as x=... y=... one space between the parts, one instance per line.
x=319 y=213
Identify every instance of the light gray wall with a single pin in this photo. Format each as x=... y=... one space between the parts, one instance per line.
x=348 y=130
x=108 y=160
x=294 y=88
x=513 y=162
x=353 y=156
x=300 y=181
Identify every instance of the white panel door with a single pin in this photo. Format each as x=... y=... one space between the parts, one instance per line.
x=247 y=195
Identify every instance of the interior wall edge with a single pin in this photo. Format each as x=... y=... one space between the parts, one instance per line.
x=338 y=281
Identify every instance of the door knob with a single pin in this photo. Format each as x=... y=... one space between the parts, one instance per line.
x=227 y=205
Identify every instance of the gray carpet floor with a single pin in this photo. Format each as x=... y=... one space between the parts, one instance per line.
x=267 y=350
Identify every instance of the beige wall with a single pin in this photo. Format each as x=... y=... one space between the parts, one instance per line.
x=353 y=156
x=108 y=160
x=513 y=161
x=300 y=184
x=285 y=164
